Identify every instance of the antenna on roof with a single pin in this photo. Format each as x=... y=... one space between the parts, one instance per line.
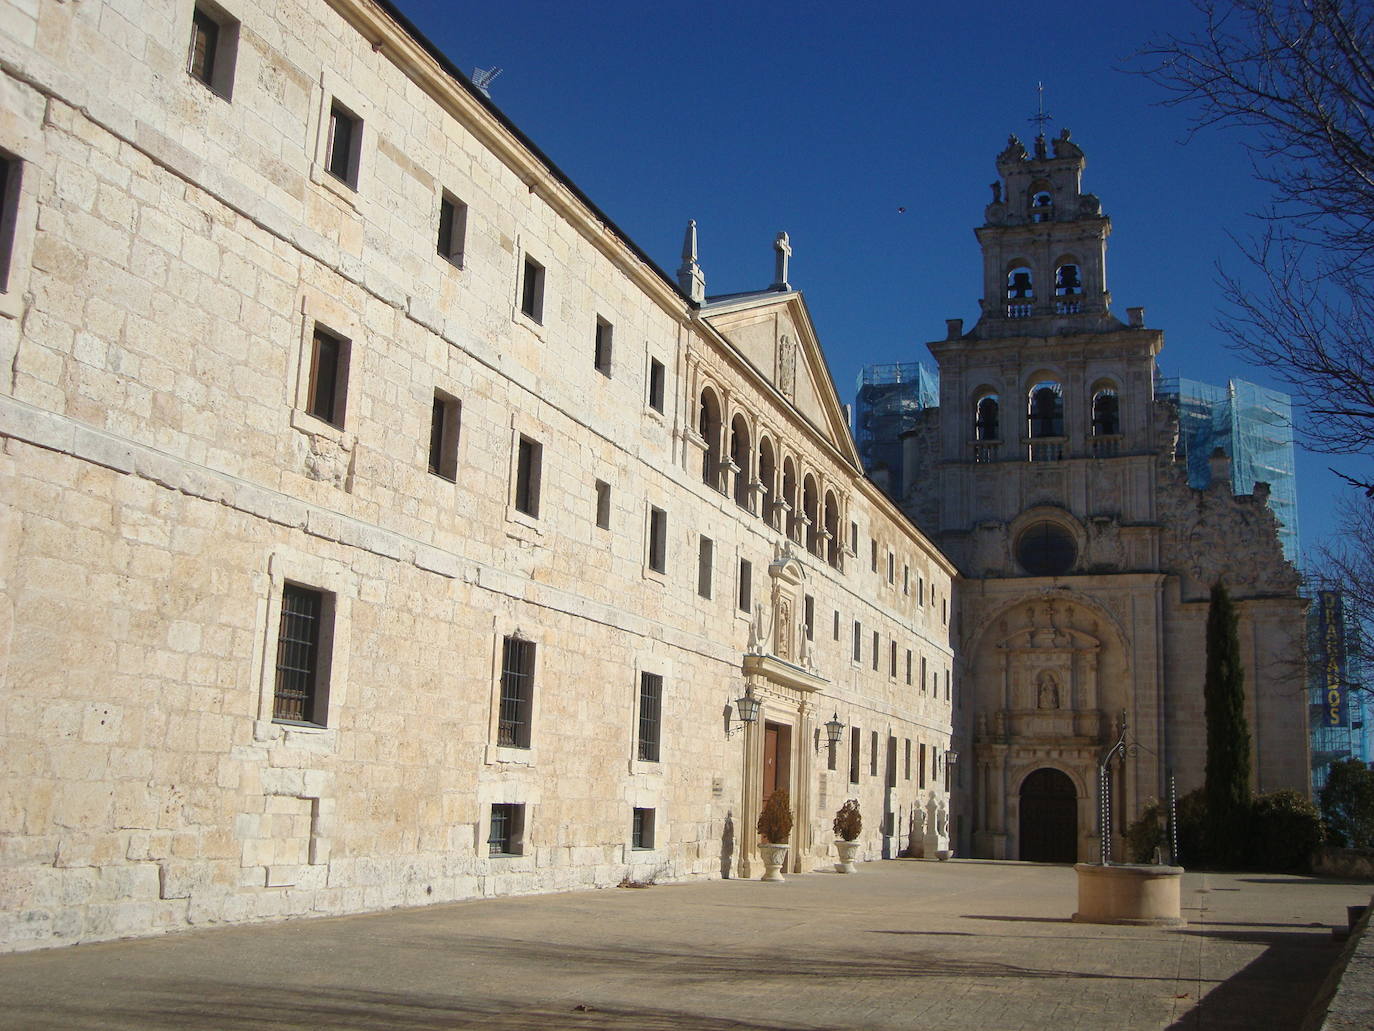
x=482 y=77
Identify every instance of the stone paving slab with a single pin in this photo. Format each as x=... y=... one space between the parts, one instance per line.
x=903 y=944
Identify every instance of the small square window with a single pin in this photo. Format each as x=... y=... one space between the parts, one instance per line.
x=650 y=716
x=809 y=616
x=705 y=558
x=642 y=829
x=214 y=47
x=532 y=290
x=517 y=693
x=656 y=374
x=302 y=678
x=328 y=390
x=529 y=460
x=507 y=834
x=603 y=505
x=601 y=356
x=746 y=585
x=344 y=152
x=453 y=228
x=658 y=540
x=445 y=419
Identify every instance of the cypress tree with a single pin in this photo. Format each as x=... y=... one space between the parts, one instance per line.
x=1227 y=787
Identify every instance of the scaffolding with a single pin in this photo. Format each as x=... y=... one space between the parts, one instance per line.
x=890 y=399
x=1253 y=426
x=1335 y=685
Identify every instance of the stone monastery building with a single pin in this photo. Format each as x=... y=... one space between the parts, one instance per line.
x=379 y=526
x=1050 y=473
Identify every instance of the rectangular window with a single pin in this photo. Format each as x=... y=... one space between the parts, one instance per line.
x=891 y=568
x=906 y=760
x=944 y=611
x=892 y=660
x=329 y=361
x=601 y=351
x=855 y=738
x=746 y=585
x=908 y=665
x=214 y=44
x=877 y=643
x=858 y=642
x=946 y=685
x=642 y=829
x=453 y=228
x=890 y=776
x=301 y=682
x=650 y=715
x=11 y=174
x=705 y=560
x=906 y=579
x=345 y=145
x=445 y=418
x=923 y=674
x=517 y=693
x=656 y=374
x=934 y=766
x=809 y=616
x=603 y=505
x=921 y=766
x=658 y=540
x=835 y=629
x=528 y=462
x=854 y=538
x=920 y=589
x=873 y=755
x=532 y=290
x=507 y=834
x=873 y=553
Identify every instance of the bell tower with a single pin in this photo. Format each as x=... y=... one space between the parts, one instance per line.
x=1044 y=245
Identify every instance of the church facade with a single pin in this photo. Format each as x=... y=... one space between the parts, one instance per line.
x=380 y=526
x=1050 y=473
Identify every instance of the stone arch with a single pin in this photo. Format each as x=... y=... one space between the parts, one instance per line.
x=832 y=528
x=1105 y=408
x=709 y=426
x=1049 y=804
x=768 y=476
x=789 y=495
x=811 y=510
x=741 y=454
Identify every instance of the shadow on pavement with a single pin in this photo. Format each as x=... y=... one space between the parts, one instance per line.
x=1273 y=992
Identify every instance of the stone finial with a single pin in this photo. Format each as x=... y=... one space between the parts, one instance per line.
x=690 y=278
x=783 y=246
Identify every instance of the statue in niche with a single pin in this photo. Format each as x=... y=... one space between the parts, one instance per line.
x=1047 y=690
x=787 y=366
x=783 y=649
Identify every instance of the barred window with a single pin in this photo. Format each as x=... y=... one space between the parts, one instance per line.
x=517 y=693
x=298 y=683
x=650 y=715
x=642 y=829
x=506 y=836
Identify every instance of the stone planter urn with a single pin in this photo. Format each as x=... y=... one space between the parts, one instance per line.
x=846 y=851
x=774 y=859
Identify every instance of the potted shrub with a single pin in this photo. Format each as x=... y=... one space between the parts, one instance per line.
x=848 y=824
x=775 y=827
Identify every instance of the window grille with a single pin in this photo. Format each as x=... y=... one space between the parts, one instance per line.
x=517 y=693
x=298 y=644
x=650 y=708
x=642 y=833
x=507 y=820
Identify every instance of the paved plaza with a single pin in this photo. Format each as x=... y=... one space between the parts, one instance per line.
x=904 y=944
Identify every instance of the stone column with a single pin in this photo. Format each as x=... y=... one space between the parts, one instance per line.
x=803 y=779
x=751 y=786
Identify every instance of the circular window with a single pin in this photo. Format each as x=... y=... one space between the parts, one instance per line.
x=1046 y=549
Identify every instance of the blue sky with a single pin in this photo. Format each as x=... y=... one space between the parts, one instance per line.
x=824 y=119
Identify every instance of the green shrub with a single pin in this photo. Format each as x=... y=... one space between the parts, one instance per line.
x=848 y=822
x=1347 y=801
x=1148 y=833
x=775 y=821
x=1285 y=829
x=1192 y=831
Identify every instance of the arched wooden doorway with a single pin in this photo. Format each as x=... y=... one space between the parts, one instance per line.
x=1049 y=818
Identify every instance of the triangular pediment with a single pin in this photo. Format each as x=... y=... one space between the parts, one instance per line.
x=772 y=331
